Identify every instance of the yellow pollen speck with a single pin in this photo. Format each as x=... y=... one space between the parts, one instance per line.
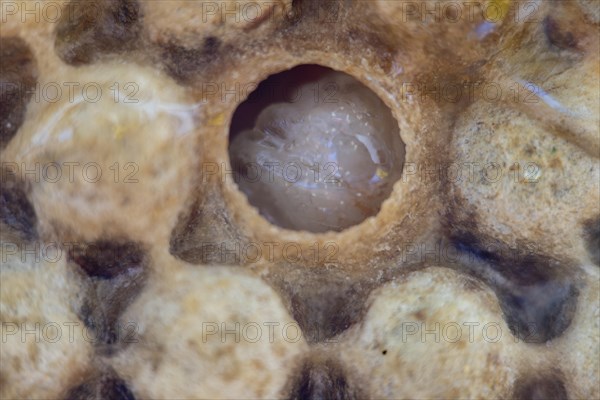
x=119 y=131
x=502 y=6
x=381 y=173
x=217 y=120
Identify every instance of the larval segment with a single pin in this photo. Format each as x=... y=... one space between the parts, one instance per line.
x=325 y=161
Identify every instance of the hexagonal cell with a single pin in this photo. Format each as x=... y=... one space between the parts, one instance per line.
x=90 y=181
x=432 y=334
x=45 y=346
x=226 y=335
x=315 y=150
x=516 y=180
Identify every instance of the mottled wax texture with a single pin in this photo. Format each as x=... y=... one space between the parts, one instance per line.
x=325 y=160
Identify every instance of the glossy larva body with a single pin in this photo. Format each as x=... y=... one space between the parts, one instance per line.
x=325 y=161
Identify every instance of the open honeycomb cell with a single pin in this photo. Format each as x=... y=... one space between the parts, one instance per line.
x=299 y=199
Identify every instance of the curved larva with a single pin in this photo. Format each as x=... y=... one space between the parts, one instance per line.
x=323 y=162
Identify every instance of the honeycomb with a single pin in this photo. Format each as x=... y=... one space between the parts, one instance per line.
x=133 y=266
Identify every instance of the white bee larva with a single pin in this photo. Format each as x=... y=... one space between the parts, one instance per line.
x=324 y=161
